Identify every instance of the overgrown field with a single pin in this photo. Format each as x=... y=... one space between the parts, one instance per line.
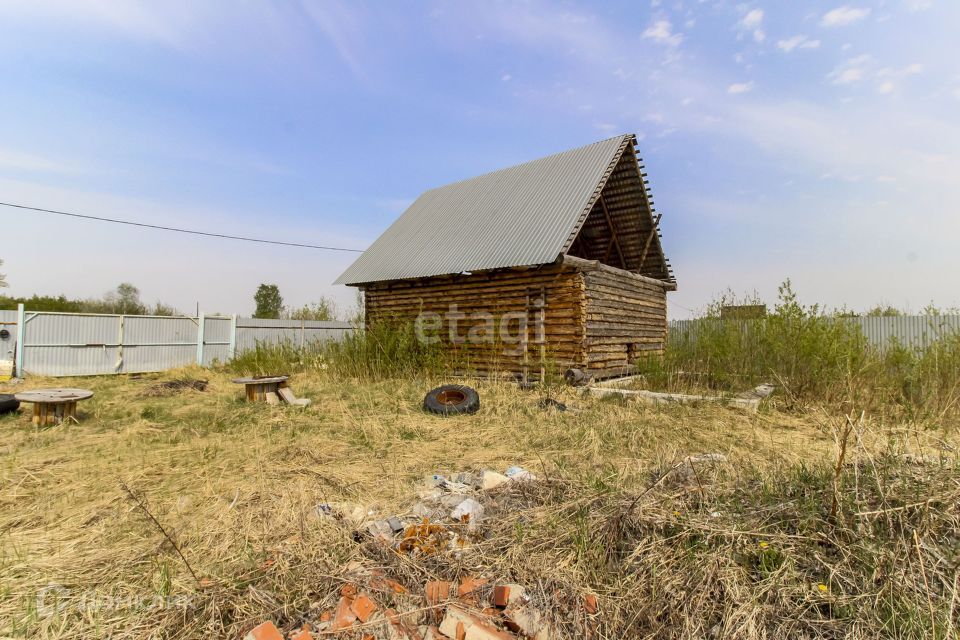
x=814 y=525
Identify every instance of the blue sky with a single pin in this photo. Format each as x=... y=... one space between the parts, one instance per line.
x=813 y=140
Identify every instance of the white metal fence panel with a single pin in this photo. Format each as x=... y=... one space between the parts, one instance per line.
x=297 y=333
x=155 y=343
x=60 y=344
x=917 y=332
x=76 y=344
x=217 y=344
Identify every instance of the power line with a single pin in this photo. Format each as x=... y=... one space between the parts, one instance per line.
x=178 y=230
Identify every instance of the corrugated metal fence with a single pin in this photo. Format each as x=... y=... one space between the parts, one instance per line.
x=917 y=332
x=78 y=344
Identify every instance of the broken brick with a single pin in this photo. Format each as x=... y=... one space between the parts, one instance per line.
x=590 y=603
x=363 y=607
x=348 y=590
x=437 y=591
x=265 y=631
x=463 y=625
x=506 y=594
x=469 y=585
x=343 y=617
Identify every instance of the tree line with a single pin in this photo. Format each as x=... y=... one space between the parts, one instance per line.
x=269 y=305
x=125 y=299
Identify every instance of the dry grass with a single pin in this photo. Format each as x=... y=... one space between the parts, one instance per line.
x=740 y=553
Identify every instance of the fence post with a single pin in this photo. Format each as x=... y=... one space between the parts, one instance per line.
x=200 y=323
x=21 y=332
x=233 y=336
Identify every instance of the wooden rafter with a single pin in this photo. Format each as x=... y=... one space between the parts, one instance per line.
x=614 y=240
x=646 y=246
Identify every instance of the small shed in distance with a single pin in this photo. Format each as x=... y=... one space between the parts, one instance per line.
x=560 y=257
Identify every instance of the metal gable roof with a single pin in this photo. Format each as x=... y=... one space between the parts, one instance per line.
x=519 y=216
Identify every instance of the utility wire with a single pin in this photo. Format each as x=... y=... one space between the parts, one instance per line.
x=162 y=228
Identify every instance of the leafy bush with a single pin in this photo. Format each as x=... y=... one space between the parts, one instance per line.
x=813 y=356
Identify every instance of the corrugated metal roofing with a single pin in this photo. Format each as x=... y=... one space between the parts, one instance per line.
x=513 y=217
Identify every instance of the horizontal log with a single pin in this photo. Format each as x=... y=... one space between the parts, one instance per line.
x=531 y=275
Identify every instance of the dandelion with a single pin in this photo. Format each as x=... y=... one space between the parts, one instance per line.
x=676 y=513
x=764 y=545
x=823 y=588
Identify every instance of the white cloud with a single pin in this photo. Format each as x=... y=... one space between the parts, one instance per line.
x=740 y=87
x=850 y=71
x=662 y=31
x=917 y=5
x=909 y=70
x=842 y=16
x=887 y=76
x=797 y=42
x=506 y=77
x=753 y=21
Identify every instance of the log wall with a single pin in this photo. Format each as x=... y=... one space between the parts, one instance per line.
x=593 y=317
x=495 y=293
x=626 y=319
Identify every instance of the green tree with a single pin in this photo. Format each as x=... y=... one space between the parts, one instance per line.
x=125 y=299
x=323 y=309
x=269 y=301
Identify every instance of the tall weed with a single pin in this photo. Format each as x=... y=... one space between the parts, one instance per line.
x=814 y=357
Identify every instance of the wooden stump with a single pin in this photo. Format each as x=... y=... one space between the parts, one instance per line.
x=257 y=389
x=54 y=406
x=53 y=413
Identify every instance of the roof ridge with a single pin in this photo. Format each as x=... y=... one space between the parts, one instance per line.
x=520 y=164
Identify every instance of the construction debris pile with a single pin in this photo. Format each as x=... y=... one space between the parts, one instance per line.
x=439 y=529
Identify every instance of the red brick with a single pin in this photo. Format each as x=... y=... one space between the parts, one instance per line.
x=463 y=625
x=343 y=617
x=507 y=594
x=348 y=590
x=469 y=585
x=363 y=607
x=437 y=591
x=265 y=631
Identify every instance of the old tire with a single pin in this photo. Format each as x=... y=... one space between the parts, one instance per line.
x=452 y=399
x=8 y=403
